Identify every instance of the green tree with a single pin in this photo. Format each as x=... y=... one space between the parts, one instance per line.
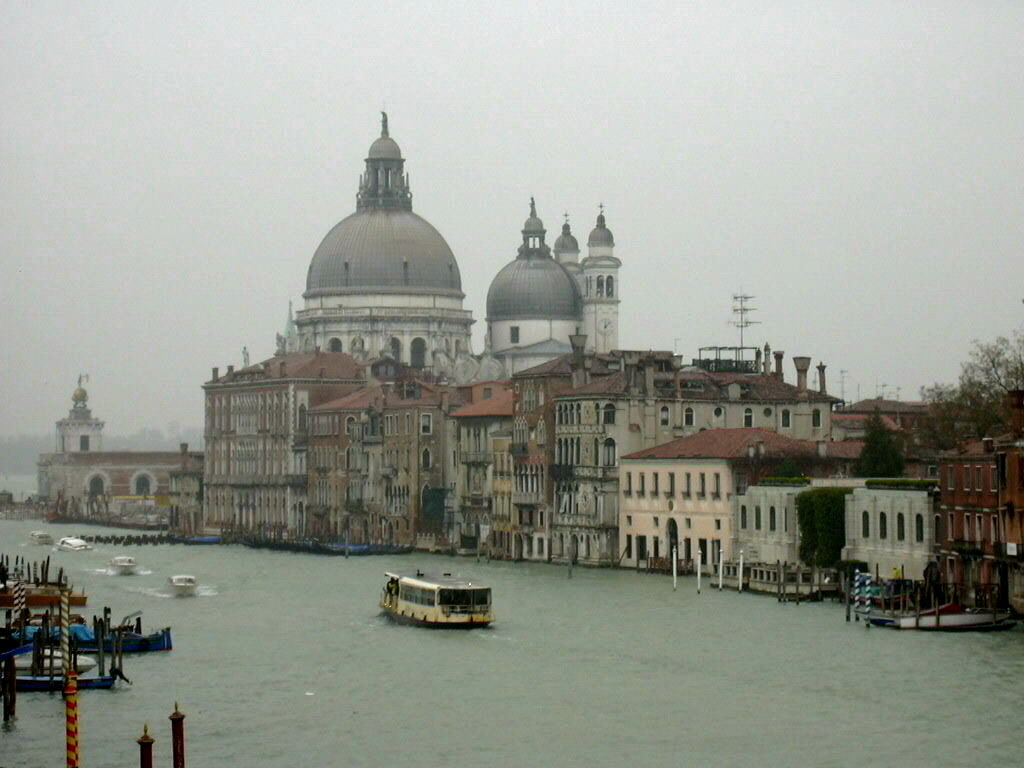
x=821 y=515
x=788 y=468
x=975 y=406
x=881 y=455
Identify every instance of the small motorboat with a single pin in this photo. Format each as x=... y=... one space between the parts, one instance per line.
x=73 y=544
x=23 y=663
x=124 y=565
x=183 y=585
x=40 y=537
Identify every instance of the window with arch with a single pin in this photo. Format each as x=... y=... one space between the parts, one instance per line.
x=96 y=486
x=350 y=425
x=396 y=349
x=785 y=418
x=743 y=516
x=757 y=517
x=334 y=345
x=356 y=345
x=609 y=414
x=688 y=417
x=425 y=459
x=609 y=453
x=748 y=417
x=664 y=415
x=771 y=518
x=938 y=529
x=900 y=532
x=816 y=418
x=865 y=525
x=418 y=353
x=600 y=285
x=609 y=286
x=303 y=421
x=883 y=525
x=919 y=527
x=142 y=486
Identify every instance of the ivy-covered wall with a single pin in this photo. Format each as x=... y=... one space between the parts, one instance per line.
x=821 y=517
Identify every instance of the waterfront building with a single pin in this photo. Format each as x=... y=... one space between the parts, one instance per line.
x=483 y=429
x=186 y=493
x=1010 y=478
x=257 y=435
x=685 y=494
x=971 y=539
x=87 y=479
x=894 y=530
x=379 y=471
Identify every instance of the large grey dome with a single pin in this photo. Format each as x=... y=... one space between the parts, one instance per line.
x=383 y=250
x=530 y=289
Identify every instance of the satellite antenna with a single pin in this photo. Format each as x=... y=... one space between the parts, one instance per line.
x=741 y=310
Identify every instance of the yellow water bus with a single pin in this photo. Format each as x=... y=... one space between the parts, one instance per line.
x=444 y=601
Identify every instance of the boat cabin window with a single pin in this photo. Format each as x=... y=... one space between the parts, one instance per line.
x=417 y=595
x=466 y=597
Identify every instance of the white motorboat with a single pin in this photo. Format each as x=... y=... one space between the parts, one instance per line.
x=183 y=585
x=40 y=537
x=73 y=544
x=124 y=565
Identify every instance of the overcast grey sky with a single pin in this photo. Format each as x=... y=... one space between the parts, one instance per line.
x=167 y=171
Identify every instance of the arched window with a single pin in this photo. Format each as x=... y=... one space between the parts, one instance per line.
x=96 y=486
x=600 y=285
x=350 y=424
x=426 y=458
x=609 y=286
x=334 y=345
x=664 y=415
x=743 y=516
x=883 y=525
x=816 y=418
x=688 y=417
x=418 y=353
x=609 y=414
x=142 y=485
x=609 y=453
x=938 y=529
x=597 y=452
x=785 y=418
x=396 y=349
x=919 y=527
x=757 y=518
x=865 y=525
x=302 y=418
x=748 y=417
x=900 y=533
x=771 y=518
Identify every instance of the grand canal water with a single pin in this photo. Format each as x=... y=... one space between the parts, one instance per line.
x=284 y=661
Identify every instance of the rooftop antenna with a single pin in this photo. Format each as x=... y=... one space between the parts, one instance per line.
x=741 y=310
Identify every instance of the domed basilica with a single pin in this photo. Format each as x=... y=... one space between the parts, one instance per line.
x=384 y=282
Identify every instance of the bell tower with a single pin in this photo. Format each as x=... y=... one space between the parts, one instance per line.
x=79 y=432
x=600 y=284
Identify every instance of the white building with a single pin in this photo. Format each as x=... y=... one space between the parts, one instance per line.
x=891 y=529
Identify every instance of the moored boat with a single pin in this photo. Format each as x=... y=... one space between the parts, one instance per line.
x=183 y=585
x=73 y=544
x=23 y=663
x=40 y=537
x=950 y=617
x=124 y=565
x=27 y=683
x=436 y=601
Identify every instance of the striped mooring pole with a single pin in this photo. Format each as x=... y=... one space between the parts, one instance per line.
x=71 y=718
x=65 y=629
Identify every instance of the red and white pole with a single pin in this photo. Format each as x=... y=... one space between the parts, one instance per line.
x=71 y=719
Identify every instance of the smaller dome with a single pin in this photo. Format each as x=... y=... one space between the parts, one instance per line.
x=385 y=148
x=79 y=395
x=566 y=241
x=601 y=235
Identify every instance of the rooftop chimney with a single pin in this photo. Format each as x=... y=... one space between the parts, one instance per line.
x=988 y=444
x=767 y=359
x=184 y=448
x=821 y=379
x=801 y=364
x=778 y=364
x=216 y=373
x=231 y=369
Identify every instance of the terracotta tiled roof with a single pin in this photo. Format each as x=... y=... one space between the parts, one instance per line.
x=753 y=387
x=845 y=449
x=354 y=401
x=335 y=365
x=562 y=366
x=888 y=406
x=860 y=420
x=612 y=384
x=729 y=444
x=498 y=405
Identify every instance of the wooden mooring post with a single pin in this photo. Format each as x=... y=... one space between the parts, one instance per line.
x=177 y=719
x=145 y=742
